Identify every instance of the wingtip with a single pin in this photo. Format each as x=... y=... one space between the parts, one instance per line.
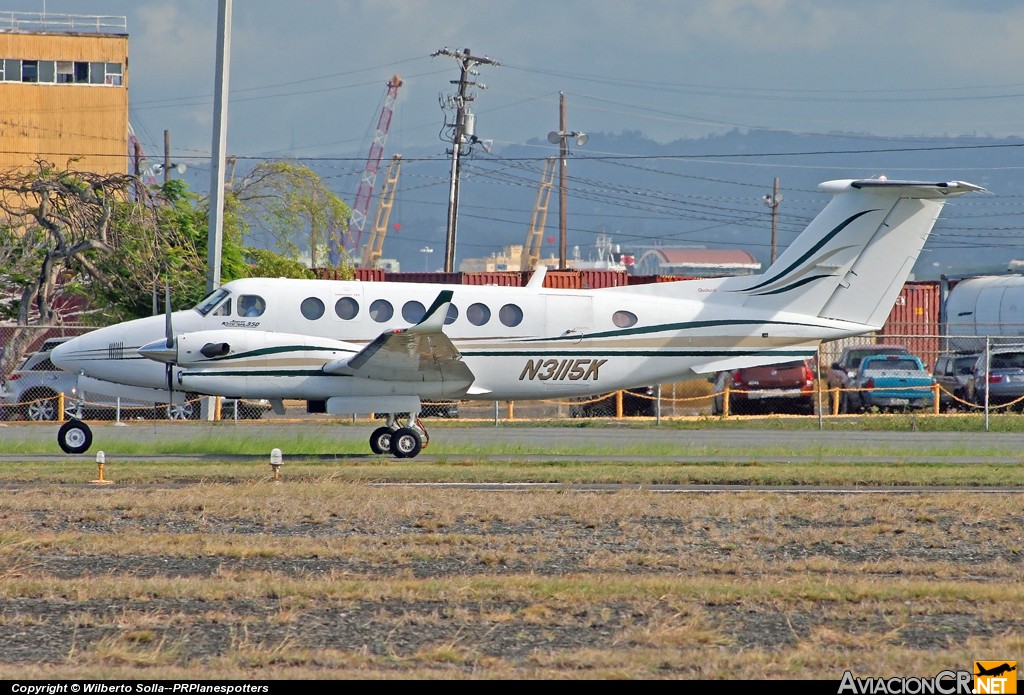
x=434 y=318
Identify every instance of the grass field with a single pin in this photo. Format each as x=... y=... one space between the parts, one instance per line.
x=202 y=566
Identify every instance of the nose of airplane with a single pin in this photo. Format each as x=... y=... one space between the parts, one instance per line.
x=63 y=356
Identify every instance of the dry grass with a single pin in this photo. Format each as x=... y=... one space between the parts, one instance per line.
x=326 y=578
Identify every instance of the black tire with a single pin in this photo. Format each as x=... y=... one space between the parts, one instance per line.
x=74 y=437
x=380 y=440
x=405 y=443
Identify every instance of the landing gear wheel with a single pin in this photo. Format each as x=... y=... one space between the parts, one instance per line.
x=74 y=437
x=380 y=440
x=405 y=443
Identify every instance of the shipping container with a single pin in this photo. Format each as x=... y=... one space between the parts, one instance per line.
x=501 y=278
x=562 y=279
x=594 y=278
x=366 y=275
x=914 y=320
x=432 y=278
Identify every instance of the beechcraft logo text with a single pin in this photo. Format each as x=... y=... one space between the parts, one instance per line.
x=995 y=677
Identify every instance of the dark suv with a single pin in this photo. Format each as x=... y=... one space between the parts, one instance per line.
x=953 y=375
x=1005 y=383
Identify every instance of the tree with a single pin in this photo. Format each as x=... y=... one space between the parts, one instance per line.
x=60 y=226
x=292 y=207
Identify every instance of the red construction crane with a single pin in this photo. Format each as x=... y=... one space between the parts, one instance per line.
x=362 y=203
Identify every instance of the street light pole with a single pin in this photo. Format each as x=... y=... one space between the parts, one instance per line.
x=773 y=201
x=563 y=151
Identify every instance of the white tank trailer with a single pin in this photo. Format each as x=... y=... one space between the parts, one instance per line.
x=991 y=305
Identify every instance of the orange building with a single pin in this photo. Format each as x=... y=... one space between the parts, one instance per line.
x=64 y=90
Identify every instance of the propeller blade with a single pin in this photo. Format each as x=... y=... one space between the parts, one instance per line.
x=169 y=334
x=168 y=331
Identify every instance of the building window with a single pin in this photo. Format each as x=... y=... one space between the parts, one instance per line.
x=61 y=72
x=312 y=308
x=97 y=73
x=478 y=314
x=47 y=71
x=112 y=74
x=65 y=72
x=30 y=71
x=346 y=308
x=381 y=310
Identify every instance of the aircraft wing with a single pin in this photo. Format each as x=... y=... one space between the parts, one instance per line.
x=420 y=353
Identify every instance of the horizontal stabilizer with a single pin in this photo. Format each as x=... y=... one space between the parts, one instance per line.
x=855 y=255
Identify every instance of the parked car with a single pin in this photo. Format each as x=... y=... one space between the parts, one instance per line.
x=641 y=401
x=844 y=369
x=30 y=393
x=1005 y=383
x=953 y=374
x=782 y=387
x=890 y=382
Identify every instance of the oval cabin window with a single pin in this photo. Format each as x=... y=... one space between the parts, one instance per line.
x=624 y=319
x=381 y=310
x=312 y=308
x=478 y=314
x=346 y=308
x=510 y=315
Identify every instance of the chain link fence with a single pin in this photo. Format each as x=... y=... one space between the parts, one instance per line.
x=973 y=392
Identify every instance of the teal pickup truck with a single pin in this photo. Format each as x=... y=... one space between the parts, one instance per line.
x=891 y=382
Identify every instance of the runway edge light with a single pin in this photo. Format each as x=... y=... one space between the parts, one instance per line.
x=101 y=460
x=275 y=462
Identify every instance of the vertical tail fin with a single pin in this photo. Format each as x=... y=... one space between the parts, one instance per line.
x=854 y=257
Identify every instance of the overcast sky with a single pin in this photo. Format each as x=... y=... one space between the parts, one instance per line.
x=309 y=78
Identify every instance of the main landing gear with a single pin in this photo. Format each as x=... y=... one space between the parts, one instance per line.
x=401 y=441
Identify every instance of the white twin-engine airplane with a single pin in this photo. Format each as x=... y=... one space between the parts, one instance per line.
x=362 y=347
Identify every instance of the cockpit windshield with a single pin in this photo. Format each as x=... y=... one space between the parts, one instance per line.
x=211 y=300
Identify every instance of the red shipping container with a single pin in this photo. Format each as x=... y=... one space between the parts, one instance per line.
x=502 y=278
x=433 y=278
x=562 y=279
x=914 y=320
x=369 y=274
x=593 y=279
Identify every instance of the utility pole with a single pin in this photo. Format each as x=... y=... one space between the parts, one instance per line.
x=218 y=159
x=773 y=201
x=463 y=134
x=560 y=137
x=167 y=156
